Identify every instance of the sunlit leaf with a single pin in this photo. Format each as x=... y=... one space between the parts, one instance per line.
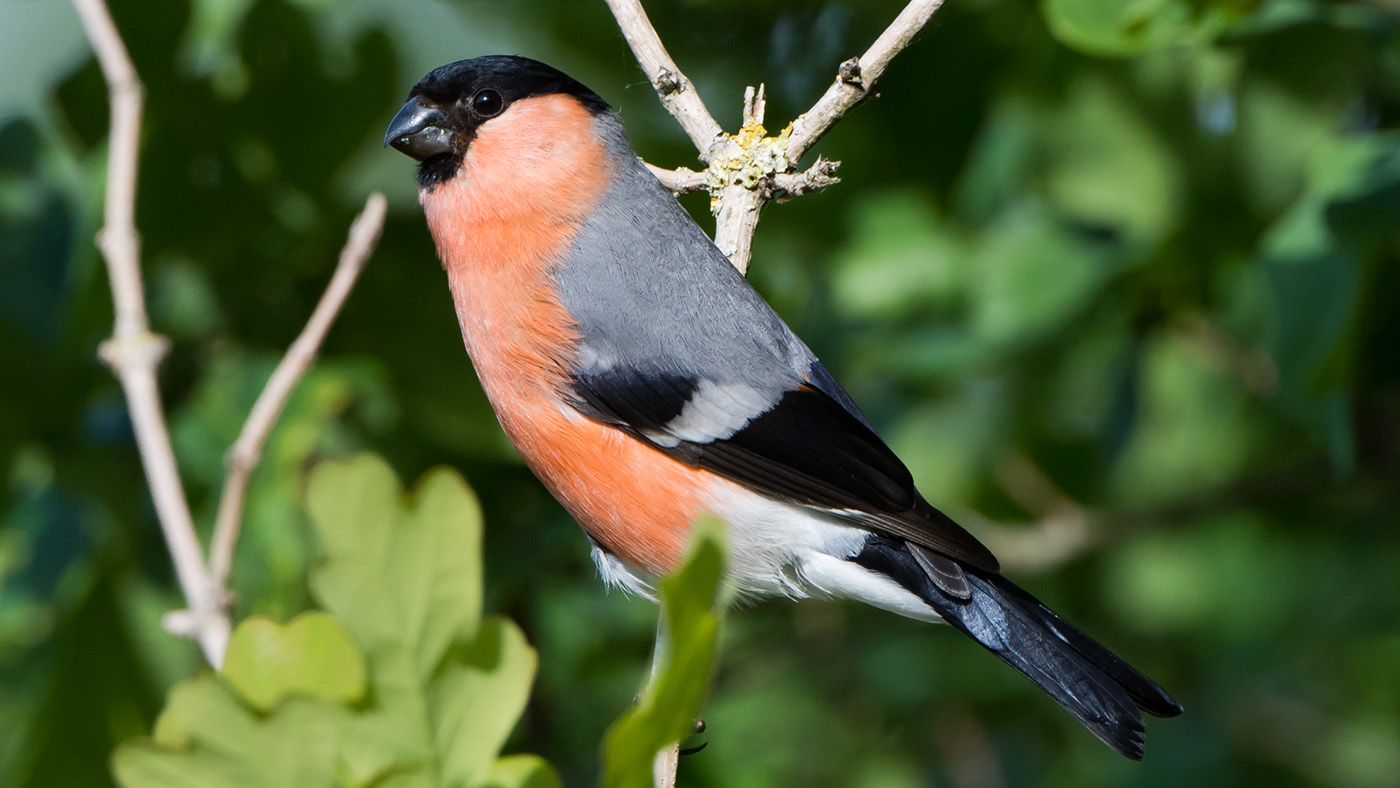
x=310 y=654
x=475 y=699
x=398 y=573
x=522 y=771
x=1197 y=429
x=902 y=259
x=1032 y=274
x=208 y=736
x=1220 y=575
x=667 y=708
x=1272 y=16
x=1108 y=169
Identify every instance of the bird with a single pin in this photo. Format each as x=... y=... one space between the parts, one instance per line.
x=646 y=383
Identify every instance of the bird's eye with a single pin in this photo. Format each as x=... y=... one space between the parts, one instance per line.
x=488 y=103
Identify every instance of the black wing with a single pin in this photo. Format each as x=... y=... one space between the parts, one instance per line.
x=800 y=444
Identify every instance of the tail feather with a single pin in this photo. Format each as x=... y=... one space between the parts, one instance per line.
x=1102 y=691
x=1145 y=692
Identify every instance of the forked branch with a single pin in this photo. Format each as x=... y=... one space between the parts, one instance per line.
x=746 y=169
x=133 y=352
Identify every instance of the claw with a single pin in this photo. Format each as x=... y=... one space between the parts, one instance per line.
x=699 y=727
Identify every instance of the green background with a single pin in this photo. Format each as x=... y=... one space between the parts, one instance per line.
x=1118 y=280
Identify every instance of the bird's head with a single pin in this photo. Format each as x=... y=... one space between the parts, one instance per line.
x=450 y=107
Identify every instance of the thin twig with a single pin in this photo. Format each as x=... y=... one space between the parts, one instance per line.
x=677 y=92
x=681 y=180
x=1063 y=529
x=247 y=451
x=858 y=77
x=133 y=352
x=820 y=175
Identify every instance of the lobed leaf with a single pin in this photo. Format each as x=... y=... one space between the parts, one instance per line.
x=403 y=687
x=311 y=654
x=398 y=572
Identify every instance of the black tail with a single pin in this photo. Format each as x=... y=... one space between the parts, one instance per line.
x=1102 y=691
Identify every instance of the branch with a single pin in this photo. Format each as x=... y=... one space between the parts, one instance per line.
x=677 y=92
x=1062 y=531
x=681 y=180
x=663 y=768
x=133 y=352
x=857 y=77
x=740 y=177
x=820 y=175
x=745 y=170
x=247 y=451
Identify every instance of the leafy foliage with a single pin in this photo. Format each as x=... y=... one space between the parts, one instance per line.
x=401 y=683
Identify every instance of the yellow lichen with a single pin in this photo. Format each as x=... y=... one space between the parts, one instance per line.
x=748 y=158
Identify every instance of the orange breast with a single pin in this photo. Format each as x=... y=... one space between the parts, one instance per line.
x=502 y=225
x=631 y=498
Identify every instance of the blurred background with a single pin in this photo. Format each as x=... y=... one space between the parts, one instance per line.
x=1118 y=280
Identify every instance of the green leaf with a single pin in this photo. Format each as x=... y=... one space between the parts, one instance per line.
x=1219 y=574
x=1118 y=27
x=1106 y=166
x=902 y=259
x=476 y=698
x=1273 y=16
x=1313 y=257
x=1281 y=132
x=684 y=662
x=522 y=771
x=1360 y=177
x=311 y=654
x=1034 y=274
x=270 y=569
x=1197 y=430
x=398 y=573
x=431 y=701
x=209 y=737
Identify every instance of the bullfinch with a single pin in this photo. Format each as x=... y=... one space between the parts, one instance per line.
x=646 y=383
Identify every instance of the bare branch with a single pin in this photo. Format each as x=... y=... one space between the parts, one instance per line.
x=680 y=180
x=740 y=179
x=663 y=767
x=736 y=222
x=133 y=352
x=820 y=175
x=1062 y=531
x=858 y=77
x=247 y=451
x=677 y=92
x=745 y=170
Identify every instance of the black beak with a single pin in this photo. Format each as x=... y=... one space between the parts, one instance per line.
x=420 y=130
